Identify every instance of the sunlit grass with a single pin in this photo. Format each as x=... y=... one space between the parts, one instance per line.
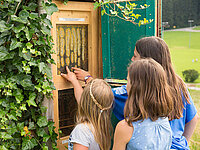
x=196 y=28
x=195 y=140
x=185 y=50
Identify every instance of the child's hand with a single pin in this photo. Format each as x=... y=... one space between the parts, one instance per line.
x=80 y=73
x=70 y=76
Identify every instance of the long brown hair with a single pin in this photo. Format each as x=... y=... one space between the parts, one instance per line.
x=156 y=48
x=95 y=108
x=149 y=95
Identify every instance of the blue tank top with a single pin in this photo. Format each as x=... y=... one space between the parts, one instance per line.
x=151 y=135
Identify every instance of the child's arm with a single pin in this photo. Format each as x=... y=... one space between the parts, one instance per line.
x=70 y=76
x=81 y=74
x=77 y=146
x=190 y=127
x=123 y=134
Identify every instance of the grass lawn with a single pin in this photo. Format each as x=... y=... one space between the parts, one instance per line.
x=196 y=28
x=184 y=57
x=195 y=140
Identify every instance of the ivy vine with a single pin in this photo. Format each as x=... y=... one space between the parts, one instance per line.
x=25 y=78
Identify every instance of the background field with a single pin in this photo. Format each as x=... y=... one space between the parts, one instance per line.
x=182 y=57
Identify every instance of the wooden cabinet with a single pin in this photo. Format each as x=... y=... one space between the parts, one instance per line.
x=77 y=40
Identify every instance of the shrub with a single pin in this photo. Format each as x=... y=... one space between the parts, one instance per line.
x=190 y=75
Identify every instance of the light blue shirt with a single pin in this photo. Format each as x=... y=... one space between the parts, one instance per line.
x=151 y=135
x=179 y=142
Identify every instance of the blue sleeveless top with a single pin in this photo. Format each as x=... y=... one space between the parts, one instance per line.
x=151 y=135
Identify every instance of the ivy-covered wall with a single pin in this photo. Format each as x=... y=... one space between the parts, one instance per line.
x=25 y=78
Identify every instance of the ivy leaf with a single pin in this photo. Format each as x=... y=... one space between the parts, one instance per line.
x=23 y=107
x=29 y=33
x=31 y=100
x=50 y=8
x=28 y=144
x=41 y=132
x=96 y=5
x=51 y=127
x=33 y=15
x=18 y=28
x=26 y=82
x=23 y=15
x=29 y=45
x=42 y=121
x=31 y=126
x=46 y=138
x=41 y=66
x=18 y=95
x=3 y=26
x=12 y=116
x=45 y=30
x=32 y=6
x=48 y=23
x=65 y=2
x=18 y=19
x=2 y=40
x=14 y=44
x=45 y=148
x=3 y=148
x=47 y=70
x=20 y=125
x=3 y=53
x=26 y=56
x=5 y=135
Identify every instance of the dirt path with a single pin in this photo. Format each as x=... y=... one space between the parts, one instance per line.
x=192 y=86
x=184 y=29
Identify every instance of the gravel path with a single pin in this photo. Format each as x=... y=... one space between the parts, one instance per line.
x=184 y=29
x=192 y=86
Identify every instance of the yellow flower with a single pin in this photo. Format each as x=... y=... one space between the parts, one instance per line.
x=26 y=130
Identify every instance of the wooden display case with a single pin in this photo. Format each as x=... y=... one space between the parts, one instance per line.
x=76 y=35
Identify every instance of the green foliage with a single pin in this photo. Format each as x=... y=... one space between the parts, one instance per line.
x=125 y=12
x=174 y=12
x=25 y=78
x=190 y=75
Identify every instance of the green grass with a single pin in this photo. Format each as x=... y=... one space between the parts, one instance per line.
x=196 y=28
x=195 y=140
x=182 y=55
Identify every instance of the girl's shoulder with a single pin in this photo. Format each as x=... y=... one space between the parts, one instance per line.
x=124 y=130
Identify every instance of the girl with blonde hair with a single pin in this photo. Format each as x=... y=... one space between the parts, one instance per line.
x=93 y=130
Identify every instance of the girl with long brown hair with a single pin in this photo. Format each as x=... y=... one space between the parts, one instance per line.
x=147 y=108
x=184 y=117
x=93 y=130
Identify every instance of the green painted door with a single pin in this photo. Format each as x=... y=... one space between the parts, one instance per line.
x=119 y=38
